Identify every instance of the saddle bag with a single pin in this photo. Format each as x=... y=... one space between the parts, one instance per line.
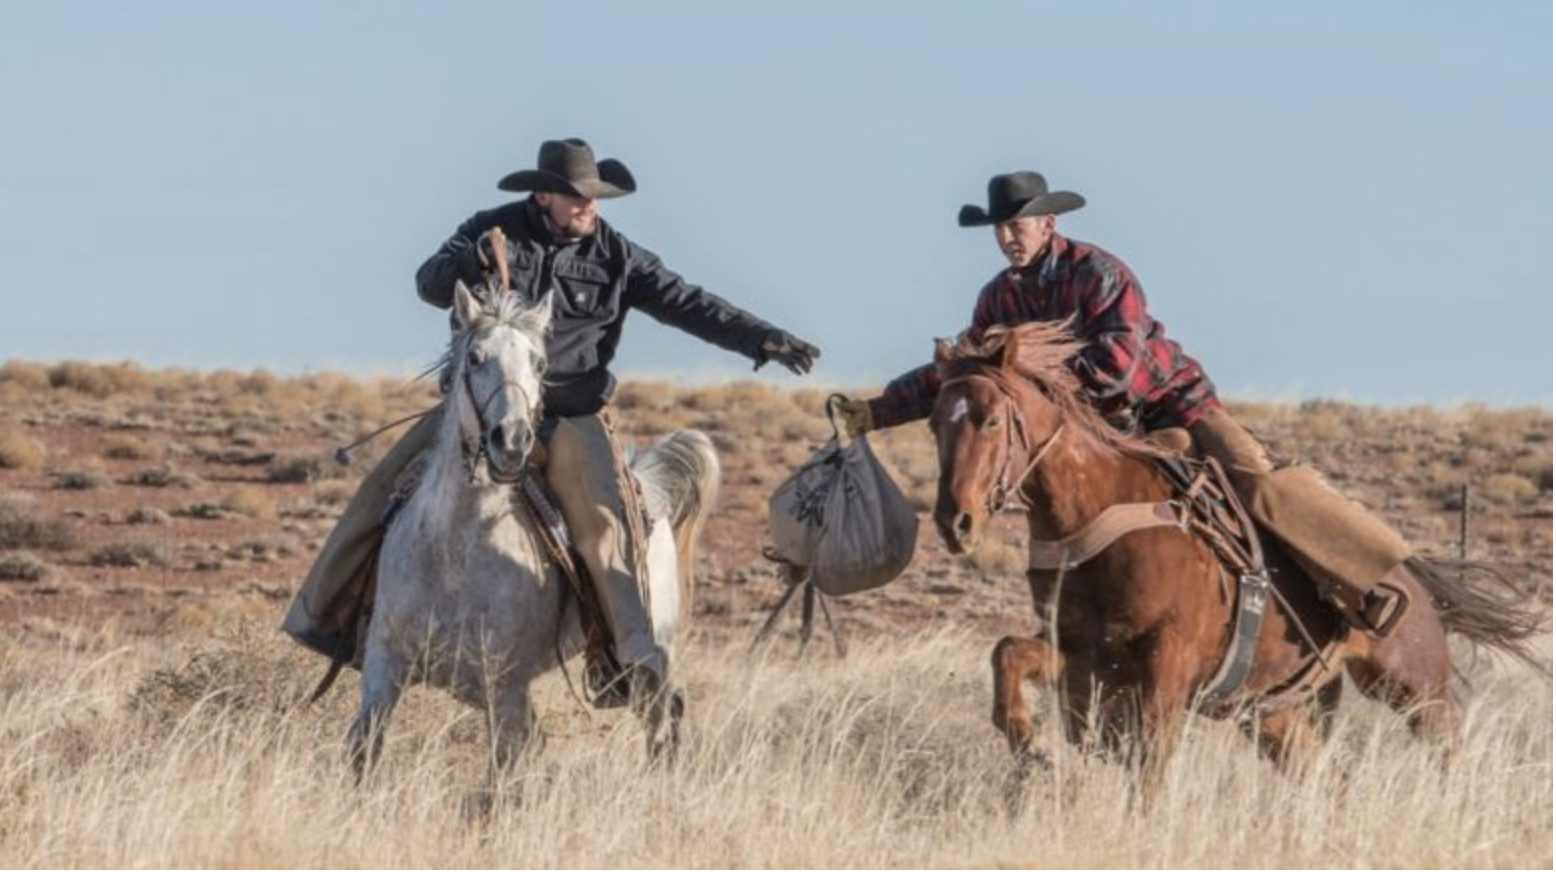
x=841 y=517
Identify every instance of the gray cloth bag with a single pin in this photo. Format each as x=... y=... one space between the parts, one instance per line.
x=842 y=517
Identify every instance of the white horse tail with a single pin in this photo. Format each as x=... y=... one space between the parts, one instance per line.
x=680 y=479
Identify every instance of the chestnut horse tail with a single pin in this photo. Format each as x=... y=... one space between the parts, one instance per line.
x=1483 y=605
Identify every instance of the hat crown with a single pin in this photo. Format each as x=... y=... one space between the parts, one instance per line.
x=572 y=159
x=1012 y=189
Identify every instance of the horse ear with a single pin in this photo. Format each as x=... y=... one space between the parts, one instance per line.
x=536 y=321
x=466 y=306
x=943 y=349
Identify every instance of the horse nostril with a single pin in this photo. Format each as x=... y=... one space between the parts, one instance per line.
x=962 y=525
x=495 y=436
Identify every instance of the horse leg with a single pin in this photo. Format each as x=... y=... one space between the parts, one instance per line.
x=1291 y=737
x=511 y=723
x=384 y=676
x=1162 y=714
x=1017 y=659
x=660 y=705
x=1410 y=671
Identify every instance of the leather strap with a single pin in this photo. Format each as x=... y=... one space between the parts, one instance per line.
x=1104 y=530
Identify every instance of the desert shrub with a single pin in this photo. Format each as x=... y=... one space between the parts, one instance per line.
x=164 y=476
x=1506 y=489
x=249 y=503
x=101 y=380
x=123 y=446
x=22 y=566
x=146 y=515
x=265 y=549
x=334 y=493
x=81 y=479
x=132 y=555
x=31 y=377
x=19 y=450
x=236 y=456
x=646 y=395
x=24 y=525
x=260 y=381
x=296 y=469
x=202 y=512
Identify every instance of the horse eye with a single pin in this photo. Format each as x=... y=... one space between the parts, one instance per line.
x=994 y=421
x=476 y=358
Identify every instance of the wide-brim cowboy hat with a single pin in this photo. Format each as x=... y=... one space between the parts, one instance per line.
x=567 y=166
x=1017 y=195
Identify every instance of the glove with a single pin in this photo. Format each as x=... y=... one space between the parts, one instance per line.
x=796 y=354
x=854 y=414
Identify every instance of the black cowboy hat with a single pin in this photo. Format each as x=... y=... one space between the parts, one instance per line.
x=1017 y=195
x=567 y=166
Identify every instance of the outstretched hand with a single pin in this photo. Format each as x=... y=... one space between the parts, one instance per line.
x=794 y=353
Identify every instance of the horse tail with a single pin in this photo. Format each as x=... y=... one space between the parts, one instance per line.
x=1482 y=604
x=680 y=478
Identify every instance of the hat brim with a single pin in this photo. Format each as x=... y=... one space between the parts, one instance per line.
x=615 y=181
x=1052 y=203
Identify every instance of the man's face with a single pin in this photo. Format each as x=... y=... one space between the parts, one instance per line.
x=1021 y=240
x=572 y=217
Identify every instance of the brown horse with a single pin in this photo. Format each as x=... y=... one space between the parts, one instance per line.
x=1135 y=633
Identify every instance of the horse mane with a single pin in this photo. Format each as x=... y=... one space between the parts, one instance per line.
x=497 y=308
x=1040 y=353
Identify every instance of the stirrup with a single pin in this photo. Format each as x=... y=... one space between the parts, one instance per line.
x=1382 y=609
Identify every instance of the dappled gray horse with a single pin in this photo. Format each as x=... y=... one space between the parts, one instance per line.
x=467 y=597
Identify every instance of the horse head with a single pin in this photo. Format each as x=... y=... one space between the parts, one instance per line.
x=995 y=418
x=498 y=359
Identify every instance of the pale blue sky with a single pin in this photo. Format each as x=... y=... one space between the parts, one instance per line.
x=1335 y=199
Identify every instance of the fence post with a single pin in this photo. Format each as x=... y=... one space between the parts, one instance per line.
x=1464 y=522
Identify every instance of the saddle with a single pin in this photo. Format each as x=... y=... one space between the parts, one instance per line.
x=1203 y=505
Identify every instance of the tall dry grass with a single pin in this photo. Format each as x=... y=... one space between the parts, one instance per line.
x=148 y=754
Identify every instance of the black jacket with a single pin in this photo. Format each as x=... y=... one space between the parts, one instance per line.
x=597 y=279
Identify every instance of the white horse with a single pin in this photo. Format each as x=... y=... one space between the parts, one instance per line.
x=467 y=597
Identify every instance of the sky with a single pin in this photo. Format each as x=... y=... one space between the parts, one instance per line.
x=1346 y=200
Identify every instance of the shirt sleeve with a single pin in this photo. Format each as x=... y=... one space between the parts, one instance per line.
x=454 y=260
x=1116 y=328
x=670 y=299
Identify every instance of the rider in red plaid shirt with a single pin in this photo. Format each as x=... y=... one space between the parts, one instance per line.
x=1132 y=371
x=1143 y=380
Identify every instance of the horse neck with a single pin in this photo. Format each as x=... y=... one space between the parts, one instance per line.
x=1080 y=476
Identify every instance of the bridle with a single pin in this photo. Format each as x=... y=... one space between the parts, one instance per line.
x=474 y=445
x=1015 y=427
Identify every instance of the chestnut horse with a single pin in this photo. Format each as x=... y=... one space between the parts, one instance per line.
x=1135 y=633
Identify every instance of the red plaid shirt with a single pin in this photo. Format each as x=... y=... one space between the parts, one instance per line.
x=1132 y=371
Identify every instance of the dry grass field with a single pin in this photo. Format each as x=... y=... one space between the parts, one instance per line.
x=153 y=525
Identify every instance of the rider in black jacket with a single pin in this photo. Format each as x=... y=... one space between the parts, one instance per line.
x=554 y=243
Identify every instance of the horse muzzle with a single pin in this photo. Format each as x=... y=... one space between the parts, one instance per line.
x=506 y=457
x=961 y=531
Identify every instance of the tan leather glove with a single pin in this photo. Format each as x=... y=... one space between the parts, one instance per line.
x=854 y=415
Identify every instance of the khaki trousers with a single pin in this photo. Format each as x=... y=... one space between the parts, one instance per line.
x=1343 y=547
x=584 y=471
